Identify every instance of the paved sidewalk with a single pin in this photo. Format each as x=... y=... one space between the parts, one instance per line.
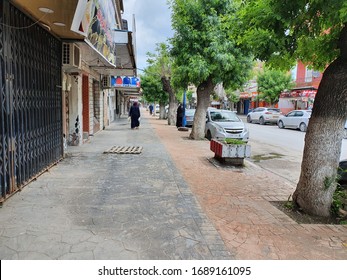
x=237 y=201
x=169 y=202
x=96 y=206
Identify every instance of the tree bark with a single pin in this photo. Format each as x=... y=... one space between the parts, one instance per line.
x=323 y=139
x=203 y=100
x=171 y=118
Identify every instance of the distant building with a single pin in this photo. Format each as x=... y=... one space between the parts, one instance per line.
x=303 y=94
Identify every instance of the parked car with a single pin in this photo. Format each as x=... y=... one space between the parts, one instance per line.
x=264 y=115
x=342 y=172
x=157 y=109
x=189 y=113
x=297 y=119
x=221 y=124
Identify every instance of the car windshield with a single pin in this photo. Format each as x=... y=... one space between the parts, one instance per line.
x=224 y=116
x=274 y=110
x=190 y=112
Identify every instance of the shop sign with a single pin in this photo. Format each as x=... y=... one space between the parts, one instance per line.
x=299 y=93
x=95 y=19
x=125 y=81
x=245 y=95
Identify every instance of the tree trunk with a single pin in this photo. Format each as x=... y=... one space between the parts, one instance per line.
x=203 y=100
x=161 y=111
x=171 y=117
x=323 y=140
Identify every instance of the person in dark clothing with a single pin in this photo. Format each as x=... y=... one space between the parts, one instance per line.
x=134 y=114
x=180 y=113
x=151 y=109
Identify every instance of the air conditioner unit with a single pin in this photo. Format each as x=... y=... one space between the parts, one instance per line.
x=106 y=82
x=71 y=56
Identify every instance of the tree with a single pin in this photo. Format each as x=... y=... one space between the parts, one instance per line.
x=152 y=88
x=161 y=64
x=232 y=98
x=282 y=31
x=271 y=83
x=204 y=55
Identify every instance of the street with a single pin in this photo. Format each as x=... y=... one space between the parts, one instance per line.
x=283 y=146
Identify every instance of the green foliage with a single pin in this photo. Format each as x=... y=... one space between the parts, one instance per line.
x=329 y=181
x=233 y=97
x=339 y=198
x=202 y=46
x=161 y=60
x=152 y=88
x=160 y=64
x=232 y=141
x=189 y=95
x=271 y=83
x=282 y=31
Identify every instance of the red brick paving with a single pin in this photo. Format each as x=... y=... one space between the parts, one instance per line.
x=238 y=204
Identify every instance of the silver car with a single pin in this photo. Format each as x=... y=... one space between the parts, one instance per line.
x=189 y=114
x=297 y=119
x=221 y=124
x=264 y=115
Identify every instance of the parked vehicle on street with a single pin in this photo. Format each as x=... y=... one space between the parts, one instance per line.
x=157 y=108
x=263 y=115
x=296 y=119
x=221 y=124
x=342 y=173
x=189 y=113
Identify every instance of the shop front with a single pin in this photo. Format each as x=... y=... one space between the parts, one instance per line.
x=297 y=99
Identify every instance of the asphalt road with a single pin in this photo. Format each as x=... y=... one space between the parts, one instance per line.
x=280 y=150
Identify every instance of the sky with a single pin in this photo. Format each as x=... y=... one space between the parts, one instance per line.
x=153 y=26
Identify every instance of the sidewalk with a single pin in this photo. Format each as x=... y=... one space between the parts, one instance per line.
x=238 y=203
x=169 y=202
x=97 y=206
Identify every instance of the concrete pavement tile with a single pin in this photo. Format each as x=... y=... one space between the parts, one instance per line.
x=7 y=253
x=83 y=247
x=75 y=236
x=33 y=256
x=111 y=249
x=86 y=255
x=53 y=249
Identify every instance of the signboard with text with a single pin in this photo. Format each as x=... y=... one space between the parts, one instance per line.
x=125 y=81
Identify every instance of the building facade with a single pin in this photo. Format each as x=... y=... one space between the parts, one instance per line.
x=303 y=94
x=57 y=63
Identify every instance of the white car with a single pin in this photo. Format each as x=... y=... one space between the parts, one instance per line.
x=157 y=109
x=264 y=115
x=221 y=124
x=297 y=119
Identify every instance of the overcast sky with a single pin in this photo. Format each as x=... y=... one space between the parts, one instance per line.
x=153 y=25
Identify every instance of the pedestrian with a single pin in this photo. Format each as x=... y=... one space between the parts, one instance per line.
x=151 y=109
x=179 y=117
x=134 y=115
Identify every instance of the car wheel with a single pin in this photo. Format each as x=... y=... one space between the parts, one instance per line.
x=208 y=135
x=302 y=127
x=280 y=124
x=261 y=121
x=249 y=120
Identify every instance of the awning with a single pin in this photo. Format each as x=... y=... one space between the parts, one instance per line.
x=304 y=88
x=100 y=64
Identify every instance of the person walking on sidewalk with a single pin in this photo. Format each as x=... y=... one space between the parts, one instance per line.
x=151 y=109
x=179 y=116
x=134 y=114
